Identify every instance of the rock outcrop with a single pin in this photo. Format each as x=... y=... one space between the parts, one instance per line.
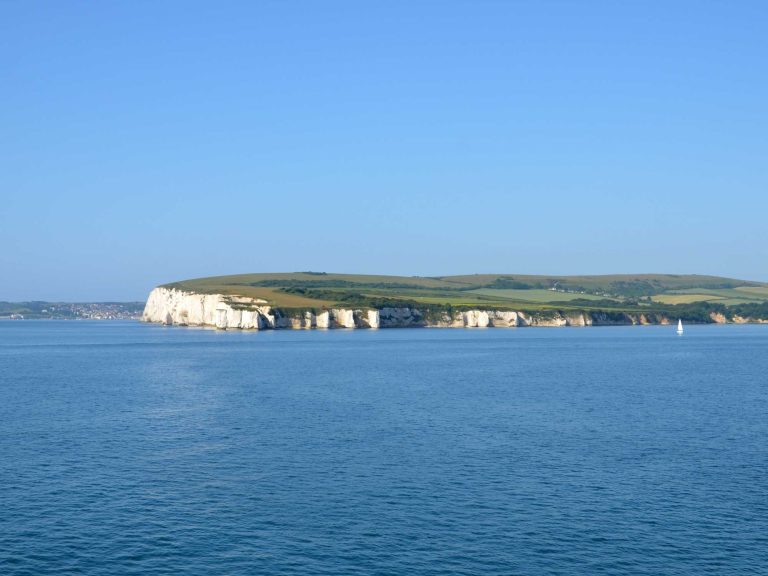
x=718 y=318
x=171 y=306
x=176 y=307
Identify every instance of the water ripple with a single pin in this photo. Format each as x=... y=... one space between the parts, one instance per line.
x=605 y=451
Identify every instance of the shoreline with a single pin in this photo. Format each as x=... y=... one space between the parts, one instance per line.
x=175 y=307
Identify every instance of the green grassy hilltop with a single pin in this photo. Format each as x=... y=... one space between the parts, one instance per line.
x=684 y=295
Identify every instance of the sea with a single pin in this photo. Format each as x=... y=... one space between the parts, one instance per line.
x=129 y=448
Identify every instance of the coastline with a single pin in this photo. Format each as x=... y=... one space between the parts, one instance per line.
x=174 y=307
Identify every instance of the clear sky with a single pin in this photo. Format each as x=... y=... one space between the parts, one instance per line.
x=145 y=142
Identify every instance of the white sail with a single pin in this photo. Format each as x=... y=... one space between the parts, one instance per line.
x=679 y=326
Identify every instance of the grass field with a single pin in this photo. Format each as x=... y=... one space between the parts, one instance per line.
x=754 y=291
x=318 y=290
x=727 y=296
x=537 y=295
x=271 y=295
x=685 y=298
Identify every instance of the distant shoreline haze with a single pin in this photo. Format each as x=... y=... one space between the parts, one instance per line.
x=71 y=310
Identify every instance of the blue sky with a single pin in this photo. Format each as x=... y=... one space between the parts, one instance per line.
x=146 y=142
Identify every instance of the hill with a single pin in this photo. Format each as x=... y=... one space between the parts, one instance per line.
x=621 y=292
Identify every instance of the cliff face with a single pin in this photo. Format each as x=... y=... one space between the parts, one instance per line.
x=170 y=306
x=175 y=307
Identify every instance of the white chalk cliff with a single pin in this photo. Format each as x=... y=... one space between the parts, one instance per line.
x=176 y=307
x=172 y=306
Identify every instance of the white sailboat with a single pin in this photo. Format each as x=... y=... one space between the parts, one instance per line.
x=680 y=327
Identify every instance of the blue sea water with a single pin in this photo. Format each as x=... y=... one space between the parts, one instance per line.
x=138 y=449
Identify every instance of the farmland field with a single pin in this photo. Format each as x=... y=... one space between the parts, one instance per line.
x=627 y=292
x=754 y=291
x=535 y=295
x=686 y=298
x=737 y=295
